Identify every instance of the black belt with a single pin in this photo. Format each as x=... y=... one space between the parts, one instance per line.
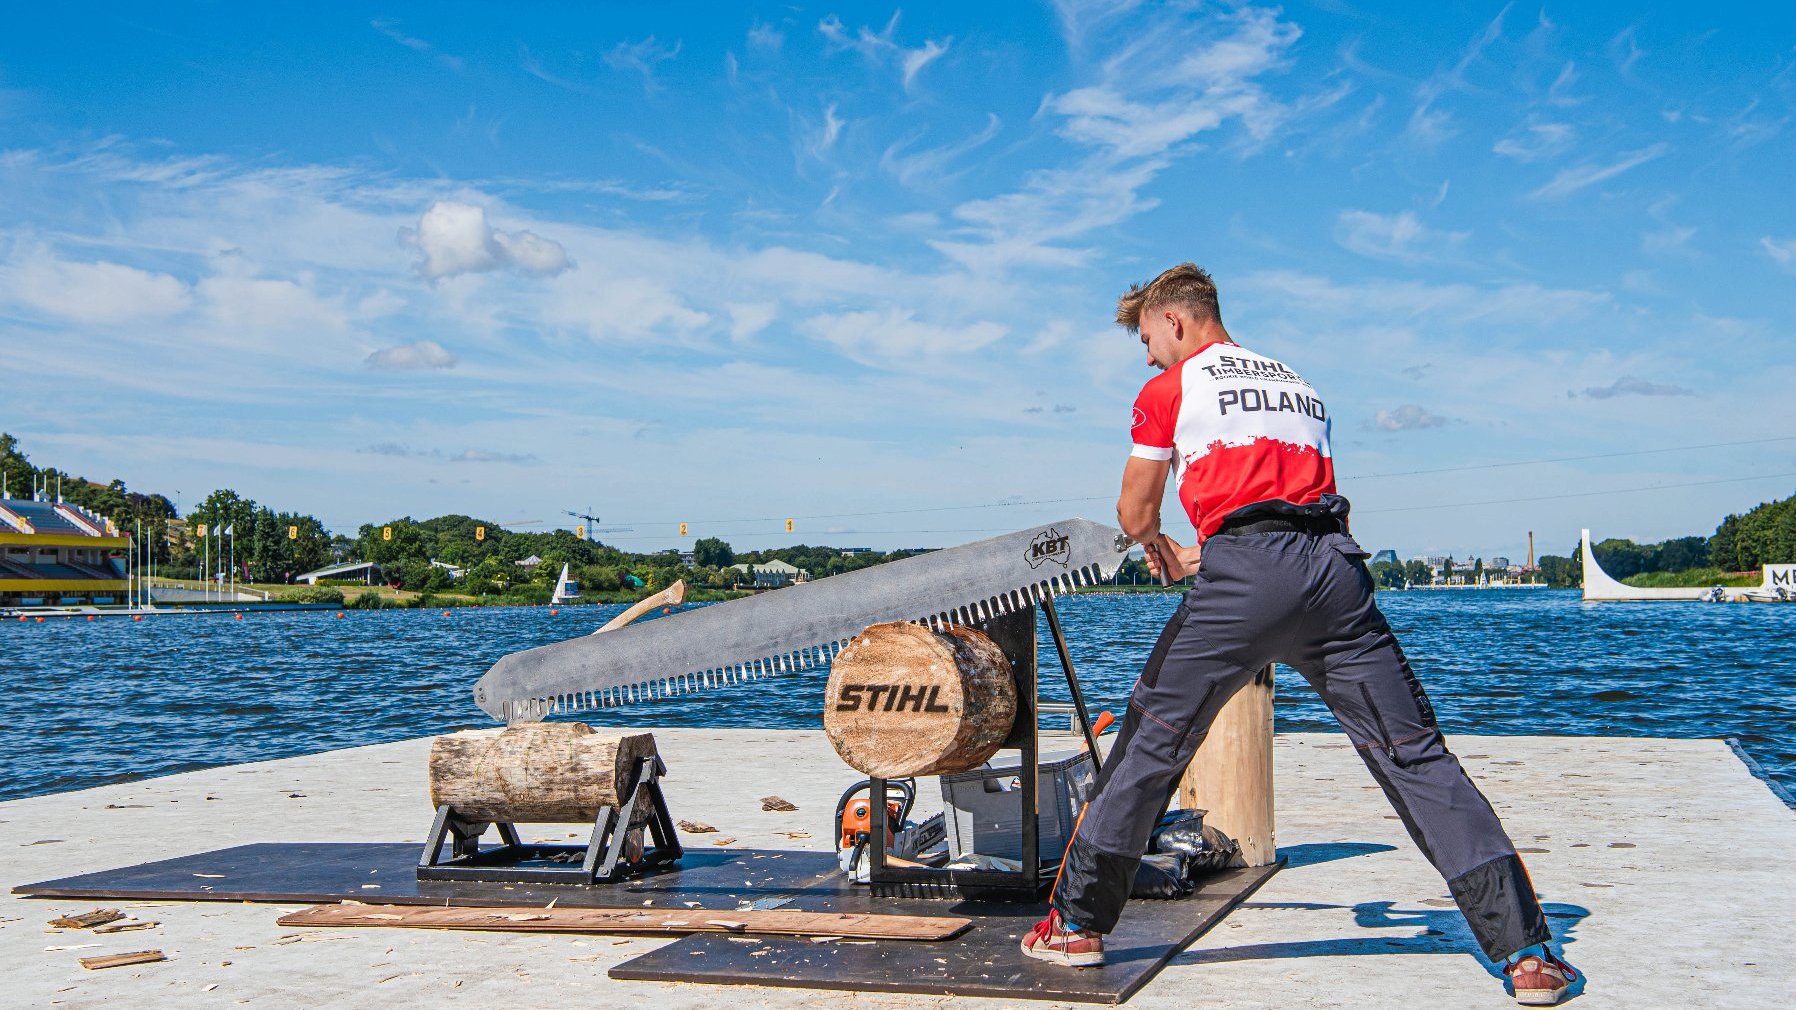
x=1246 y=527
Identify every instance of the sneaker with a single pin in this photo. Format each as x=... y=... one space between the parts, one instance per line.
x=1540 y=981
x=1050 y=940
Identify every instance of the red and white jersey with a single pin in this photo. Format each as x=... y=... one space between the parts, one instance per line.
x=1240 y=427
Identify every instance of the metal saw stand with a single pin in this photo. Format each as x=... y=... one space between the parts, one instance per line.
x=601 y=860
x=1014 y=633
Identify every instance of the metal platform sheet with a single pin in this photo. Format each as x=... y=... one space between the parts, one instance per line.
x=386 y=872
x=984 y=961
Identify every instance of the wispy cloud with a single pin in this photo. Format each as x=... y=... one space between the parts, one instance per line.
x=419 y=355
x=642 y=57
x=1408 y=417
x=883 y=46
x=90 y=292
x=390 y=28
x=1629 y=385
x=1571 y=180
x=1535 y=140
x=1400 y=236
x=1428 y=124
x=1781 y=251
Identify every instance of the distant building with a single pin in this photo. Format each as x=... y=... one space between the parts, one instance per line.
x=53 y=553
x=1388 y=557
x=849 y=552
x=1498 y=562
x=530 y=562
x=772 y=574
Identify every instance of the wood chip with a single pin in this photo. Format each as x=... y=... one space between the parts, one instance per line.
x=696 y=827
x=121 y=960
x=723 y=841
x=127 y=925
x=796 y=834
x=88 y=920
x=777 y=804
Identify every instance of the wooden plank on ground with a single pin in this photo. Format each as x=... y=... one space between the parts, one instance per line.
x=865 y=926
x=120 y=960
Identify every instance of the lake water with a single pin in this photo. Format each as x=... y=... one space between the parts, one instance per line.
x=88 y=703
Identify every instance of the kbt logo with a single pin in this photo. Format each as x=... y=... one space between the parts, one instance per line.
x=1049 y=545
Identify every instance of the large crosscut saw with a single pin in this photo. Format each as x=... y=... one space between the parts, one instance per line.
x=800 y=626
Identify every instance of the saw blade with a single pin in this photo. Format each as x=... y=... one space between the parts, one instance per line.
x=800 y=626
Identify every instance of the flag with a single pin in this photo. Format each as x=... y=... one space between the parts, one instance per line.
x=226 y=532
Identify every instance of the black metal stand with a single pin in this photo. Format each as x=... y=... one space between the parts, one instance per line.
x=603 y=859
x=1015 y=634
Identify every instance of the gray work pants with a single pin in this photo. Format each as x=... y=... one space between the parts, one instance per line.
x=1304 y=600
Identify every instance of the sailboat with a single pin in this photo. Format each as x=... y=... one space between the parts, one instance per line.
x=566 y=589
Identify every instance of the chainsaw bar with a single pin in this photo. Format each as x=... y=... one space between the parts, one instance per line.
x=800 y=626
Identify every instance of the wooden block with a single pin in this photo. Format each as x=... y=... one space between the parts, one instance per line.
x=904 y=700
x=1231 y=776
x=634 y=920
x=88 y=920
x=120 y=960
x=546 y=772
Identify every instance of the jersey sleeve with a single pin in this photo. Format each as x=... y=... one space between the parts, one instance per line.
x=1156 y=408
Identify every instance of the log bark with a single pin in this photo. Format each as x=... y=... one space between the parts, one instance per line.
x=1231 y=776
x=905 y=700
x=546 y=772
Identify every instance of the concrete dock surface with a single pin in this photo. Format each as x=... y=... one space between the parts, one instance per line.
x=1667 y=869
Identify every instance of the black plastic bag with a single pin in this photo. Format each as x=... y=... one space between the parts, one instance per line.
x=1161 y=876
x=1202 y=849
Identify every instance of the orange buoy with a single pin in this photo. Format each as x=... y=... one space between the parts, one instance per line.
x=445 y=613
x=40 y=620
x=134 y=617
x=90 y=617
x=239 y=617
x=667 y=610
x=552 y=613
x=339 y=615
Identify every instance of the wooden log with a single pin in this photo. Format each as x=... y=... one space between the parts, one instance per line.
x=1231 y=776
x=545 y=772
x=521 y=919
x=905 y=700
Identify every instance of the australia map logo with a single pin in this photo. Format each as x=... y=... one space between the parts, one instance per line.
x=1049 y=545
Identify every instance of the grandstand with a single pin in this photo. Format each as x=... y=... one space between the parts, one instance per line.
x=56 y=554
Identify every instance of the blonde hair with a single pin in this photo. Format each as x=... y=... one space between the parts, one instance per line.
x=1186 y=286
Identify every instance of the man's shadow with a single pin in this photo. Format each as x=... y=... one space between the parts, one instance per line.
x=1434 y=930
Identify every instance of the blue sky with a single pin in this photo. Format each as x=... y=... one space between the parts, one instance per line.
x=856 y=264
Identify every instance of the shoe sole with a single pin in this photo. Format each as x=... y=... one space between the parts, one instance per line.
x=1060 y=957
x=1539 y=997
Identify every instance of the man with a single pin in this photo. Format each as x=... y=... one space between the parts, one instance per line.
x=1278 y=579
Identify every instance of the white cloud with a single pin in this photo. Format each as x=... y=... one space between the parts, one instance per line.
x=1671 y=238
x=1781 y=251
x=1629 y=385
x=764 y=36
x=1537 y=140
x=642 y=57
x=98 y=293
x=455 y=238
x=1400 y=236
x=893 y=334
x=1571 y=180
x=247 y=306
x=419 y=355
x=1408 y=417
x=750 y=318
x=882 y=46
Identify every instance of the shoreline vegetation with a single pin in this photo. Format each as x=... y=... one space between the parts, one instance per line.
x=461 y=560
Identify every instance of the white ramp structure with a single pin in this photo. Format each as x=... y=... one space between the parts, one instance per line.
x=1779 y=585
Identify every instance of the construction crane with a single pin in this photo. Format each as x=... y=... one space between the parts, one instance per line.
x=592 y=525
